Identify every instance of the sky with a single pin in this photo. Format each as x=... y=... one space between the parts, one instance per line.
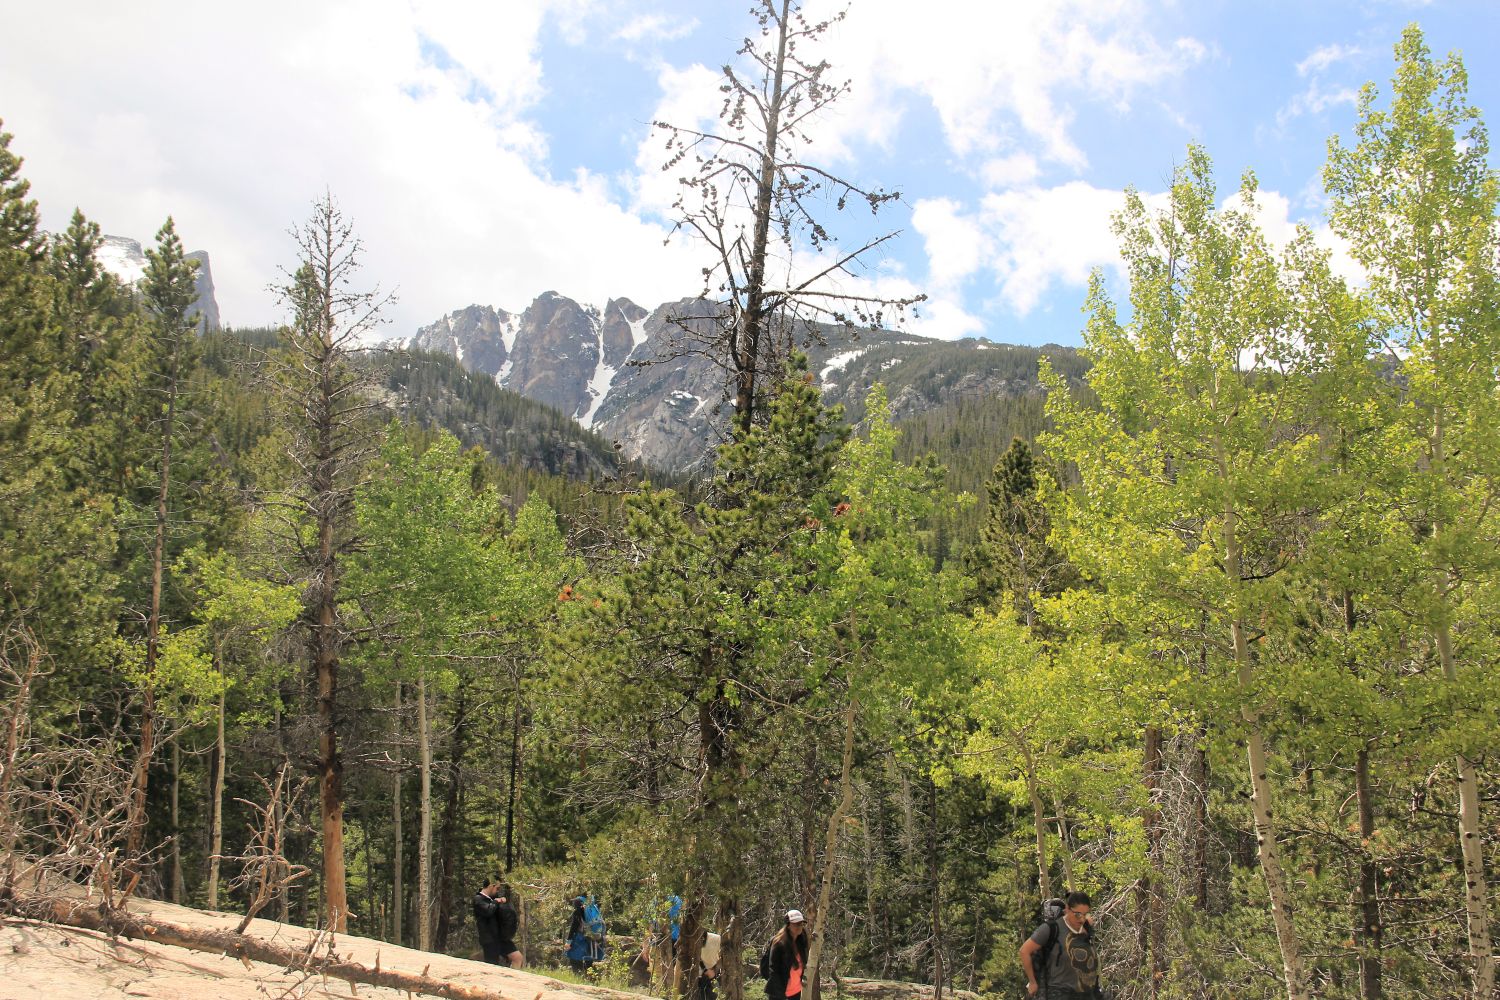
x=488 y=151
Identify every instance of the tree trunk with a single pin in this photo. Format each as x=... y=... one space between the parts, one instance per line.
x=398 y=863
x=830 y=855
x=330 y=772
x=935 y=887
x=177 y=887
x=452 y=812
x=1064 y=848
x=515 y=780
x=135 y=838
x=424 y=811
x=1153 y=931
x=1200 y=822
x=1261 y=798
x=746 y=347
x=1369 y=934
x=1038 y=820
x=731 y=965
x=216 y=805
x=1471 y=841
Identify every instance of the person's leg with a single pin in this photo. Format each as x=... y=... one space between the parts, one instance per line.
x=516 y=959
x=491 y=951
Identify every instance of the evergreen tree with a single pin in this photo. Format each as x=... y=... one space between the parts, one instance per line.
x=168 y=291
x=1013 y=556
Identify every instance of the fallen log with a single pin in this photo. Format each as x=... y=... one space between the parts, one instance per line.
x=248 y=948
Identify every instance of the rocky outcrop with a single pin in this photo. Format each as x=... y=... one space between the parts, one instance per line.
x=643 y=380
x=478 y=336
x=126 y=260
x=556 y=354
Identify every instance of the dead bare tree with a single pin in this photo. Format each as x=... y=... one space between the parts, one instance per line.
x=266 y=873
x=328 y=409
x=753 y=198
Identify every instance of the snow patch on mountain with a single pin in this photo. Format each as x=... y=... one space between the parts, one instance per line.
x=599 y=385
x=838 y=363
x=638 y=332
x=123 y=258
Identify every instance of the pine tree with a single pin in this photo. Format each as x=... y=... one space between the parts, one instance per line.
x=1013 y=555
x=327 y=414
x=168 y=291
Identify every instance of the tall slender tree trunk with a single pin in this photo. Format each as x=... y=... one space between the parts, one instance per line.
x=449 y=846
x=1370 y=934
x=935 y=889
x=135 y=838
x=1038 y=819
x=424 y=810
x=746 y=345
x=178 y=888
x=1471 y=846
x=398 y=863
x=512 y=788
x=1199 y=848
x=216 y=802
x=1470 y=829
x=830 y=855
x=1153 y=932
x=330 y=764
x=1261 y=795
x=1064 y=846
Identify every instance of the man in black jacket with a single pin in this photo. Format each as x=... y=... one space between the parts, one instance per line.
x=487 y=903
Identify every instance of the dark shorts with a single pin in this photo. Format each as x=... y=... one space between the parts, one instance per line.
x=508 y=948
x=492 y=951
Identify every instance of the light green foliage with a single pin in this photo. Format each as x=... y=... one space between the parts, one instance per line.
x=240 y=614
x=443 y=569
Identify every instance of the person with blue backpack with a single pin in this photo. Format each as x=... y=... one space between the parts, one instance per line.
x=1059 y=958
x=586 y=932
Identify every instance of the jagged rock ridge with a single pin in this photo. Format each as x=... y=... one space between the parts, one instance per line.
x=126 y=260
x=620 y=370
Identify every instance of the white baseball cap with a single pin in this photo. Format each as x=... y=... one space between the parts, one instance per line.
x=795 y=917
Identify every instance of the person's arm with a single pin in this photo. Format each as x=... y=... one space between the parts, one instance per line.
x=484 y=905
x=1028 y=951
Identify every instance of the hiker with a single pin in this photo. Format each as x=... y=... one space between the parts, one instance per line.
x=708 y=966
x=661 y=935
x=487 y=920
x=1059 y=958
x=510 y=923
x=786 y=958
x=585 y=935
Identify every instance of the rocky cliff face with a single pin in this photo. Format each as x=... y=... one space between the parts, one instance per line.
x=620 y=370
x=126 y=260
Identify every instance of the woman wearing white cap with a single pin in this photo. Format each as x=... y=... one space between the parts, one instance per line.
x=788 y=953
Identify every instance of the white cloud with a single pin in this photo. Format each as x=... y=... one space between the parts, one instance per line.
x=1323 y=57
x=655 y=27
x=1032 y=240
x=1315 y=100
x=1002 y=77
x=1010 y=171
x=413 y=116
x=1320 y=95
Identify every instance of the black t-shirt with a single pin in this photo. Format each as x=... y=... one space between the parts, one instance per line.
x=1071 y=961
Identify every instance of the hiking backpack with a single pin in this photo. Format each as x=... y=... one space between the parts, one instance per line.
x=593 y=920
x=1052 y=911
